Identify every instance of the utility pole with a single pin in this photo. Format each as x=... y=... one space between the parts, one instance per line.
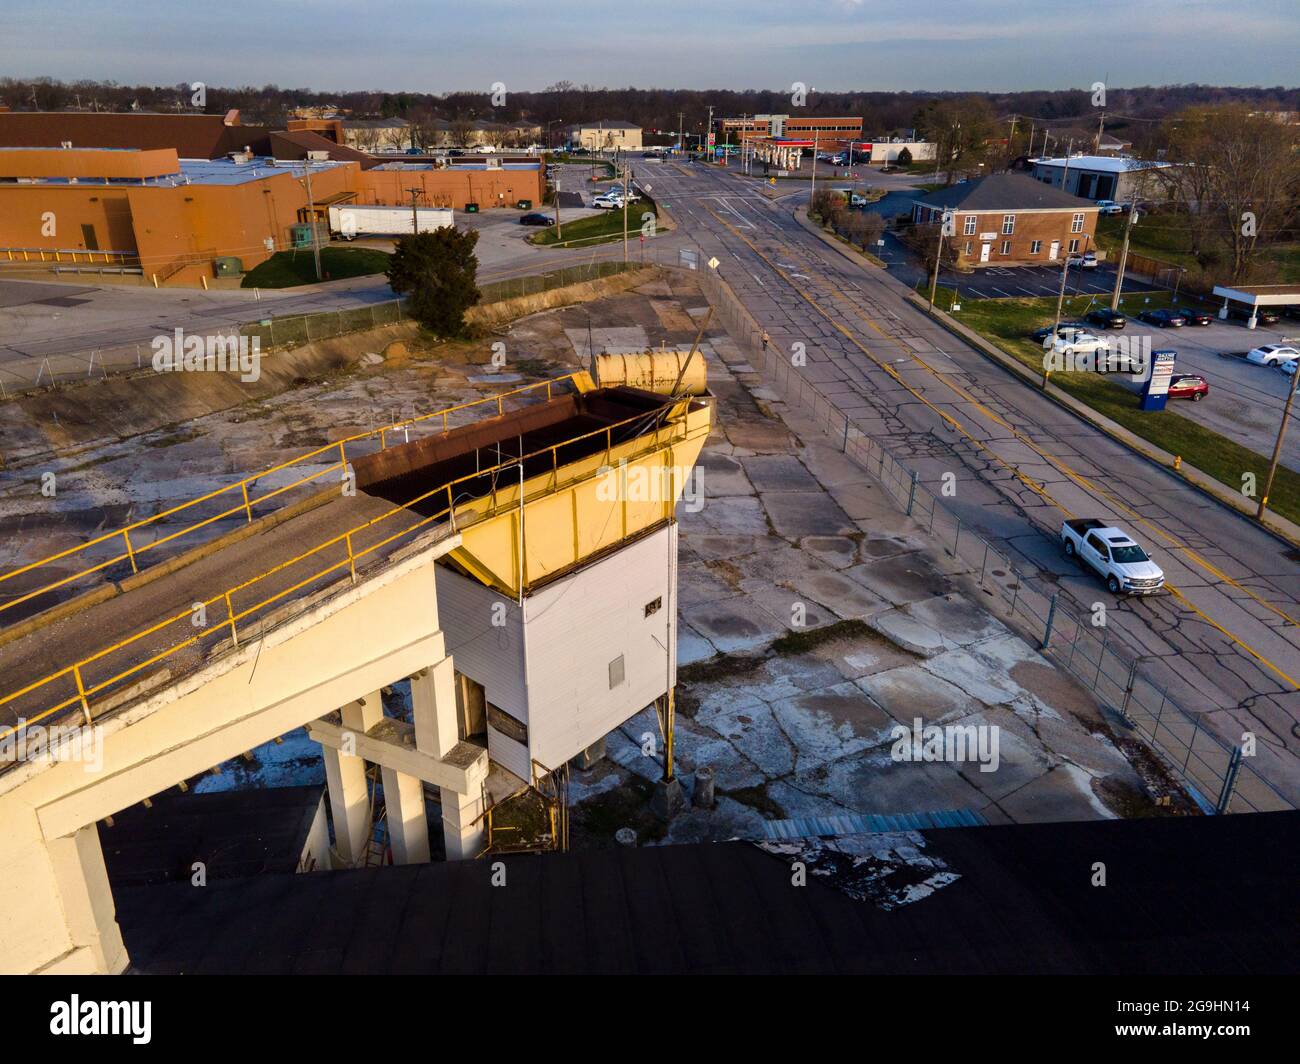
x=1123 y=257
x=813 y=191
x=1065 y=175
x=1060 y=303
x=627 y=194
x=1281 y=432
x=681 y=145
x=557 y=205
x=1011 y=140
x=708 y=132
x=1096 y=144
x=938 y=254
x=311 y=217
x=415 y=194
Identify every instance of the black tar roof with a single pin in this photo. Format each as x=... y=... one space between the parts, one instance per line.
x=1005 y=192
x=1184 y=895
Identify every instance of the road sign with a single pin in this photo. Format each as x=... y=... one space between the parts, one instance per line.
x=713 y=263
x=1156 y=390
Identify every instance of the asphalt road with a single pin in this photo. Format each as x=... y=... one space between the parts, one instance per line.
x=1226 y=641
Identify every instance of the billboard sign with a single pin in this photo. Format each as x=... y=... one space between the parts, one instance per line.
x=1156 y=390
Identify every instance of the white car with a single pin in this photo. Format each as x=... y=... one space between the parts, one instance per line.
x=1272 y=355
x=1109 y=206
x=1085 y=261
x=1113 y=555
x=1288 y=366
x=1077 y=341
x=608 y=202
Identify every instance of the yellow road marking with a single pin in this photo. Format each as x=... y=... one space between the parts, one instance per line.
x=1034 y=485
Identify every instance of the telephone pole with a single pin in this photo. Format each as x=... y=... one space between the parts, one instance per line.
x=627 y=194
x=1123 y=257
x=415 y=194
x=1096 y=144
x=1060 y=303
x=557 y=205
x=1281 y=433
x=813 y=191
x=938 y=254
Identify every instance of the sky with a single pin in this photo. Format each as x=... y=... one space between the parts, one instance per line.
x=829 y=45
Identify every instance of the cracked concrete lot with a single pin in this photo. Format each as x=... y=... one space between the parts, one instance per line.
x=814 y=622
x=815 y=618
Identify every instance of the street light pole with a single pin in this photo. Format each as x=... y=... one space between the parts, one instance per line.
x=1281 y=433
x=627 y=194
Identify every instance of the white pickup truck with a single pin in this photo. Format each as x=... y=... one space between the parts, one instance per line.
x=1113 y=555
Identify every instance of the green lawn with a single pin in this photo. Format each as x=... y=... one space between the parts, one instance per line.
x=597 y=228
x=1007 y=323
x=286 y=269
x=1164 y=237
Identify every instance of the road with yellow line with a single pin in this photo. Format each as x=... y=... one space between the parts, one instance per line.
x=1225 y=638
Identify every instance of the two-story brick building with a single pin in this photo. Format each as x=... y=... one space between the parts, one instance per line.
x=1010 y=220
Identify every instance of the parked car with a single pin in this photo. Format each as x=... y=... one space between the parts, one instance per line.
x=1263 y=315
x=1288 y=366
x=1113 y=555
x=608 y=202
x=1272 y=354
x=1109 y=206
x=536 y=218
x=1196 y=317
x=1164 y=319
x=1078 y=342
x=1086 y=261
x=1107 y=319
x=1064 y=329
x=1188 y=386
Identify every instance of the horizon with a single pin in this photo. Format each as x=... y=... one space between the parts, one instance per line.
x=955 y=47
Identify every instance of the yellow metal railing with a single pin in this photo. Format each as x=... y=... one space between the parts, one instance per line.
x=131 y=552
x=75 y=671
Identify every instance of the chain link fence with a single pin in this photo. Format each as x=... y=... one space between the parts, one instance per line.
x=1214 y=772
x=275 y=333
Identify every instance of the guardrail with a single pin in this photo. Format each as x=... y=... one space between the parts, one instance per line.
x=84 y=690
x=1214 y=772
x=132 y=551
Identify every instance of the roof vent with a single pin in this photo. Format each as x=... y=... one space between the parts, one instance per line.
x=66 y=144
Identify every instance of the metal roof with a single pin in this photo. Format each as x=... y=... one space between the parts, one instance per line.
x=1111 y=164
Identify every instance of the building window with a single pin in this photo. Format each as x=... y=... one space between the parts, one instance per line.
x=969 y=229
x=1076 y=224
x=616 y=672
x=1008 y=224
x=1035 y=246
x=1074 y=246
x=1006 y=247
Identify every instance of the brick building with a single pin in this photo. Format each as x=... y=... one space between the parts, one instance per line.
x=170 y=219
x=829 y=133
x=1010 y=220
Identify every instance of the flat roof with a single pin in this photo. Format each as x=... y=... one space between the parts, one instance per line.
x=201 y=172
x=1115 y=164
x=1261 y=295
x=1011 y=898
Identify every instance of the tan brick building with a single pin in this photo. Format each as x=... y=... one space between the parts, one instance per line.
x=1010 y=220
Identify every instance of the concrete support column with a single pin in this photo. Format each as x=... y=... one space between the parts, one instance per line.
x=433 y=705
x=345 y=776
x=349 y=803
x=78 y=864
x=462 y=832
x=408 y=829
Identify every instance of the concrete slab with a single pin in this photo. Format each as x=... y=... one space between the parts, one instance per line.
x=909 y=692
x=798 y=514
x=779 y=472
x=961 y=621
x=902 y=578
x=733 y=626
x=909 y=633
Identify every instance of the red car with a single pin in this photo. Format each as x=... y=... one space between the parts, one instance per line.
x=1188 y=387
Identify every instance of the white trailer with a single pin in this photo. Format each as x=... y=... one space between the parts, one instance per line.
x=351 y=222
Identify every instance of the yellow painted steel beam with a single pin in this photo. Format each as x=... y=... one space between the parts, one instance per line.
x=582 y=508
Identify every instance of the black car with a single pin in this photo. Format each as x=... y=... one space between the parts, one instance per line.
x=1196 y=317
x=1042 y=334
x=1107 y=319
x=1263 y=315
x=1164 y=319
x=536 y=218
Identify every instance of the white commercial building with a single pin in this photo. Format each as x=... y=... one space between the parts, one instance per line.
x=1102 y=177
